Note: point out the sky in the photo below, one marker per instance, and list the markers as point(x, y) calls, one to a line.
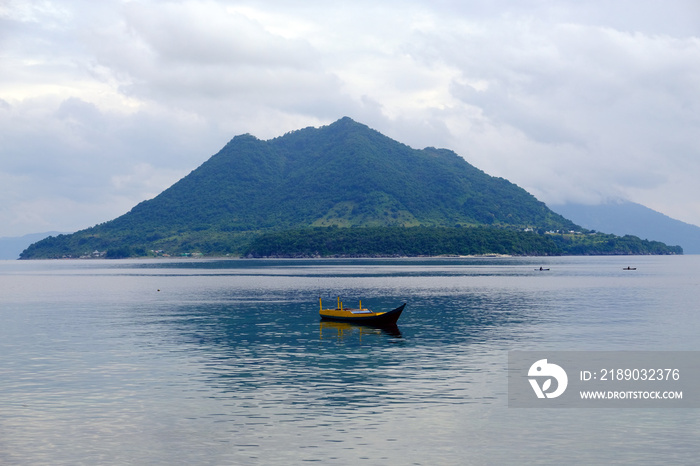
point(104, 104)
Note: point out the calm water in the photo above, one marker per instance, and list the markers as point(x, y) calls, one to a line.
point(226, 362)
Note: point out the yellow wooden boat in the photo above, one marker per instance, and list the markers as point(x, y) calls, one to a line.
point(360, 315)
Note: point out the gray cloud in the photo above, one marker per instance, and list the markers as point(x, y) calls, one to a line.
point(104, 104)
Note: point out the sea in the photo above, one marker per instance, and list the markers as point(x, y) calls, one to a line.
point(225, 362)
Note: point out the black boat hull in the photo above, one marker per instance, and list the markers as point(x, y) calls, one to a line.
point(388, 318)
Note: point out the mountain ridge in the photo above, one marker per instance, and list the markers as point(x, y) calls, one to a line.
point(12, 246)
point(341, 175)
point(630, 218)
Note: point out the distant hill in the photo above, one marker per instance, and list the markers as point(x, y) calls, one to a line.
point(12, 246)
point(629, 218)
point(344, 175)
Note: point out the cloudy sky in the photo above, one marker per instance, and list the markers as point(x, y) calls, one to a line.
point(106, 103)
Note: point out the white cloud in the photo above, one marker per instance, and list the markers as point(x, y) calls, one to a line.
point(593, 106)
point(111, 100)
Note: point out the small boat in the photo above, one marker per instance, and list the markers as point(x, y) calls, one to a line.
point(542, 269)
point(360, 315)
point(630, 268)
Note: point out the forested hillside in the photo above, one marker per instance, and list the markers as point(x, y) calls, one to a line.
point(434, 241)
point(342, 175)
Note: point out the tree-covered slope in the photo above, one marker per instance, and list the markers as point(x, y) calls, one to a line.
point(344, 174)
point(399, 241)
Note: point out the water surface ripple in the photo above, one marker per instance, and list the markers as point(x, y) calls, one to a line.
point(226, 361)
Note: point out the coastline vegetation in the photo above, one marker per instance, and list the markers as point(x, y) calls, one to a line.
point(436, 241)
point(360, 242)
point(342, 189)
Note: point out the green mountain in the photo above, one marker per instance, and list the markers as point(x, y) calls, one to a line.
point(341, 175)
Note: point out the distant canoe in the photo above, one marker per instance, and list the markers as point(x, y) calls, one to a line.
point(541, 269)
point(630, 268)
point(360, 315)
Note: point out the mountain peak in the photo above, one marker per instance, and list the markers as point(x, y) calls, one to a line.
point(347, 126)
point(344, 174)
point(346, 120)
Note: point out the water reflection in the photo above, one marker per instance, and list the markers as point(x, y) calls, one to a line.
point(342, 330)
point(229, 363)
point(273, 352)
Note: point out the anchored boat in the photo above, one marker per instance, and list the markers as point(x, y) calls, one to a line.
point(360, 315)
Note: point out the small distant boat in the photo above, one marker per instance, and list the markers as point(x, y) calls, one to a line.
point(360, 315)
point(542, 269)
point(630, 268)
